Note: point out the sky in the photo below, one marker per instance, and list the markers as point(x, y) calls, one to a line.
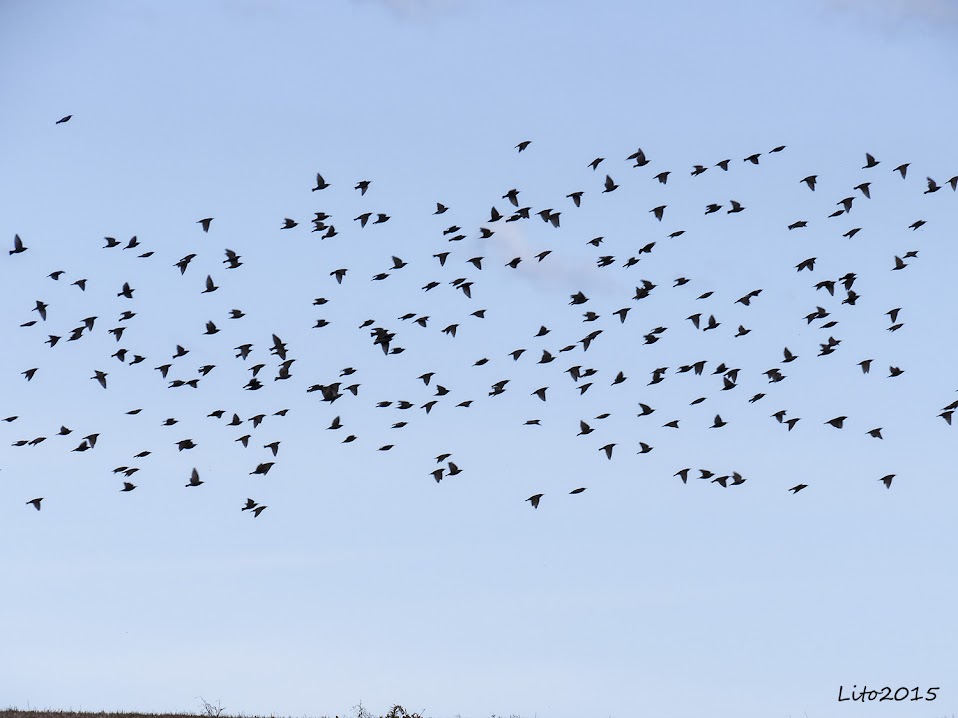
point(364, 580)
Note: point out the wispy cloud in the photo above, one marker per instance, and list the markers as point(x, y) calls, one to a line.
point(415, 8)
point(510, 242)
point(933, 13)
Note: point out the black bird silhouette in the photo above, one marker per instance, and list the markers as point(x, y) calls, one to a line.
point(232, 259)
point(640, 159)
point(534, 500)
point(184, 262)
point(17, 245)
point(63, 119)
point(35, 503)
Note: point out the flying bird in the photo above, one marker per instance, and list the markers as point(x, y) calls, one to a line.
point(18, 247)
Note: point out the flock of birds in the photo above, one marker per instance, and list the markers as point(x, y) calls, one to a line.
point(447, 260)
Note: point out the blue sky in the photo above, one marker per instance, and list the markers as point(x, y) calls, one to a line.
point(365, 580)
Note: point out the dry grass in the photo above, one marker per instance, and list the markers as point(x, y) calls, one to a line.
point(16, 713)
point(209, 710)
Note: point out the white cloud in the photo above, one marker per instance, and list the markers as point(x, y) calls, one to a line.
point(416, 8)
point(893, 12)
point(555, 272)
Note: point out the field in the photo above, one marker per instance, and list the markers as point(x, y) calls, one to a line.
point(208, 711)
